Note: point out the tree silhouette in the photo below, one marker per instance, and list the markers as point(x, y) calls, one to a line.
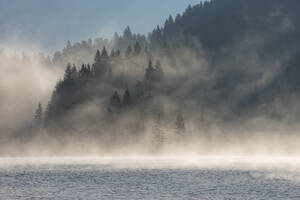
point(112, 53)
point(128, 51)
point(97, 57)
point(127, 101)
point(149, 71)
point(179, 123)
point(115, 100)
point(104, 54)
point(38, 117)
point(68, 73)
point(137, 48)
point(127, 35)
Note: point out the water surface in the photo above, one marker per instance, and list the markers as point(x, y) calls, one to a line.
point(150, 178)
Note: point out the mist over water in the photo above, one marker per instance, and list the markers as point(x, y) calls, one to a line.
point(204, 107)
point(150, 178)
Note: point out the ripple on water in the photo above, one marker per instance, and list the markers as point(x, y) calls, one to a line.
point(146, 179)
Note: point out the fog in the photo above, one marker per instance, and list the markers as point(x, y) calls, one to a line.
point(212, 125)
point(25, 80)
point(267, 167)
point(207, 133)
point(237, 101)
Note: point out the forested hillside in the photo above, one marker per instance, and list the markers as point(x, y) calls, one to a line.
point(225, 65)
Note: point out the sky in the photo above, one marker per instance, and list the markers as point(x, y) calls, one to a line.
point(47, 24)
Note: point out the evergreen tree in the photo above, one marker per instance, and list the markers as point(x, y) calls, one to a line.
point(68, 73)
point(159, 71)
point(127, 34)
point(104, 54)
point(115, 100)
point(82, 71)
point(179, 123)
point(74, 72)
point(127, 101)
point(137, 48)
point(169, 28)
point(88, 68)
point(139, 90)
point(48, 113)
point(97, 57)
point(156, 38)
point(112, 53)
point(154, 74)
point(101, 65)
point(149, 71)
point(38, 117)
point(128, 51)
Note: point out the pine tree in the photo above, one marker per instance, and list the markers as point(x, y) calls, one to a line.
point(112, 53)
point(149, 71)
point(101, 65)
point(48, 113)
point(127, 101)
point(88, 68)
point(156, 38)
point(137, 48)
point(159, 72)
point(74, 72)
point(179, 123)
point(115, 100)
point(38, 117)
point(127, 34)
point(82, 70)
point(128, 51)
point(97, 57)
point(68, 73)
point(104, 54)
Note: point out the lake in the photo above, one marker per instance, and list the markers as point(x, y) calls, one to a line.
point(204, 178)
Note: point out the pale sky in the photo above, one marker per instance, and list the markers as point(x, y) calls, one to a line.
point(48, 24)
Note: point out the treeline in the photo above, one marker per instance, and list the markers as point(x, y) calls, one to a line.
point(213, 26)
point(242, 41)
point(82, 52)
point(100, 84)
point(230, 61)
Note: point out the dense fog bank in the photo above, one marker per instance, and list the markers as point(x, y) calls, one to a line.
point(222, 78)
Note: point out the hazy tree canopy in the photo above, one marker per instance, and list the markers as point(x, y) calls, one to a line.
point(104, 53)
point(38, 117)
point(127, 101)
point(216, 28)
point(97, 57)
point(115, 101)
point(68, 73)
point(219, 62)
point(179, 123)
point(137, 48)
point(128, 51)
